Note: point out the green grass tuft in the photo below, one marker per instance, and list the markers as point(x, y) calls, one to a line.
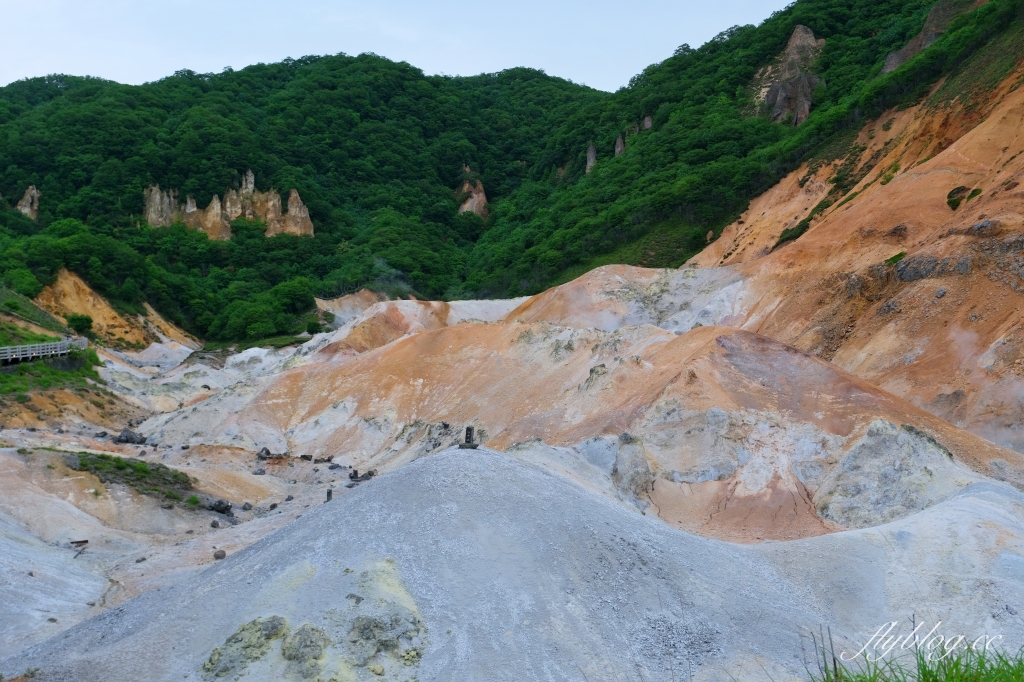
point(963, 665)
point(145, 477)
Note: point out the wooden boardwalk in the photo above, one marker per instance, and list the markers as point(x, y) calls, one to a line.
point(41, 350)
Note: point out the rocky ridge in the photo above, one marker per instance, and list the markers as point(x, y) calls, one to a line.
point(785, 88)
point(163, 209)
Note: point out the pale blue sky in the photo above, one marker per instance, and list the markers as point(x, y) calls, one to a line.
point(600, 43)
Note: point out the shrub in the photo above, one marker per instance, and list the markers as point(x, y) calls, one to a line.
point(80, 324)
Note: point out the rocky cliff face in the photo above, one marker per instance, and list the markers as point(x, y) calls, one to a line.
point(591, 156)
point(162, 209)
point(29, 204)
point(620, 145)
point(939, 18)
point(786, 86)
point(476, 200)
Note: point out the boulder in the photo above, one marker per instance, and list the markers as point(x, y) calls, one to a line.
point(220, 506)
point(130, 437)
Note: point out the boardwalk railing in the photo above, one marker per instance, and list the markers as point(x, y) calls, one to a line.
point(41, 350)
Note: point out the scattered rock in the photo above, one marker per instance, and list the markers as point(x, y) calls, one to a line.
point(940, 293)
point(260, 472)
point(246, 507)
point(215, 524)
point(140, 559)
point(273, 506)
point(52, 620)
point(289, 498)
point(219, 554)
point(264, 453)
point(332, 467)
point(101, 434)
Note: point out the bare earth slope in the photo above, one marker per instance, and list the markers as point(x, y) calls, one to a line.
point(943, 326)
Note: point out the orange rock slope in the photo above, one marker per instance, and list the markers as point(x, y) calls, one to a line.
point(942, 327)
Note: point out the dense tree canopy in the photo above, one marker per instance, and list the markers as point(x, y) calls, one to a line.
point(377, 151)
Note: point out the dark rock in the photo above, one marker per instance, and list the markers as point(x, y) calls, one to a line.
point(215, 524)
point(184, 447)
point(289, 498)
point(273, 506)
point(293, 481)
point(916, 267)
point(60, 430)
point(940, 293)
point(334, 466)
point(264, 453)
point(101, 434)
point(330, 494)
point(129, 436)
point(189, 532)
point(205, 387)
point(219, 554)
point(890, 306)
point(140, 560)
point(246, 507)
point(167, 506)
point(219, 506)
point(31, 429)
point(308, 458)
point(51, 620)
point(260, 472)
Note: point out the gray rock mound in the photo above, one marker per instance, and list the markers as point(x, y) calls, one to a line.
point(471, 565)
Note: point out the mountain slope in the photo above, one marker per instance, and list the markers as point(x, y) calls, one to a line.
point(379, 152)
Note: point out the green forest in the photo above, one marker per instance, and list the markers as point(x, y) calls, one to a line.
point(377, 150)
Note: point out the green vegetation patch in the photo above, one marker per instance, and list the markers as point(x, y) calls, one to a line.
point(17, 305)
point(896, 259)
point(148, 478)
point(961, 665)
point(74, 370)
point(16, 335)
point(956, 197)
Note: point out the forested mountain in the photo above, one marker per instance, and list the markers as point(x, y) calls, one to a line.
point(379, 152)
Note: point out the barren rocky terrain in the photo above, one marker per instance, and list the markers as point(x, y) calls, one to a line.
point(681, 473)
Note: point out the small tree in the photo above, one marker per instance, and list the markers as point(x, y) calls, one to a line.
point(80, 324)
